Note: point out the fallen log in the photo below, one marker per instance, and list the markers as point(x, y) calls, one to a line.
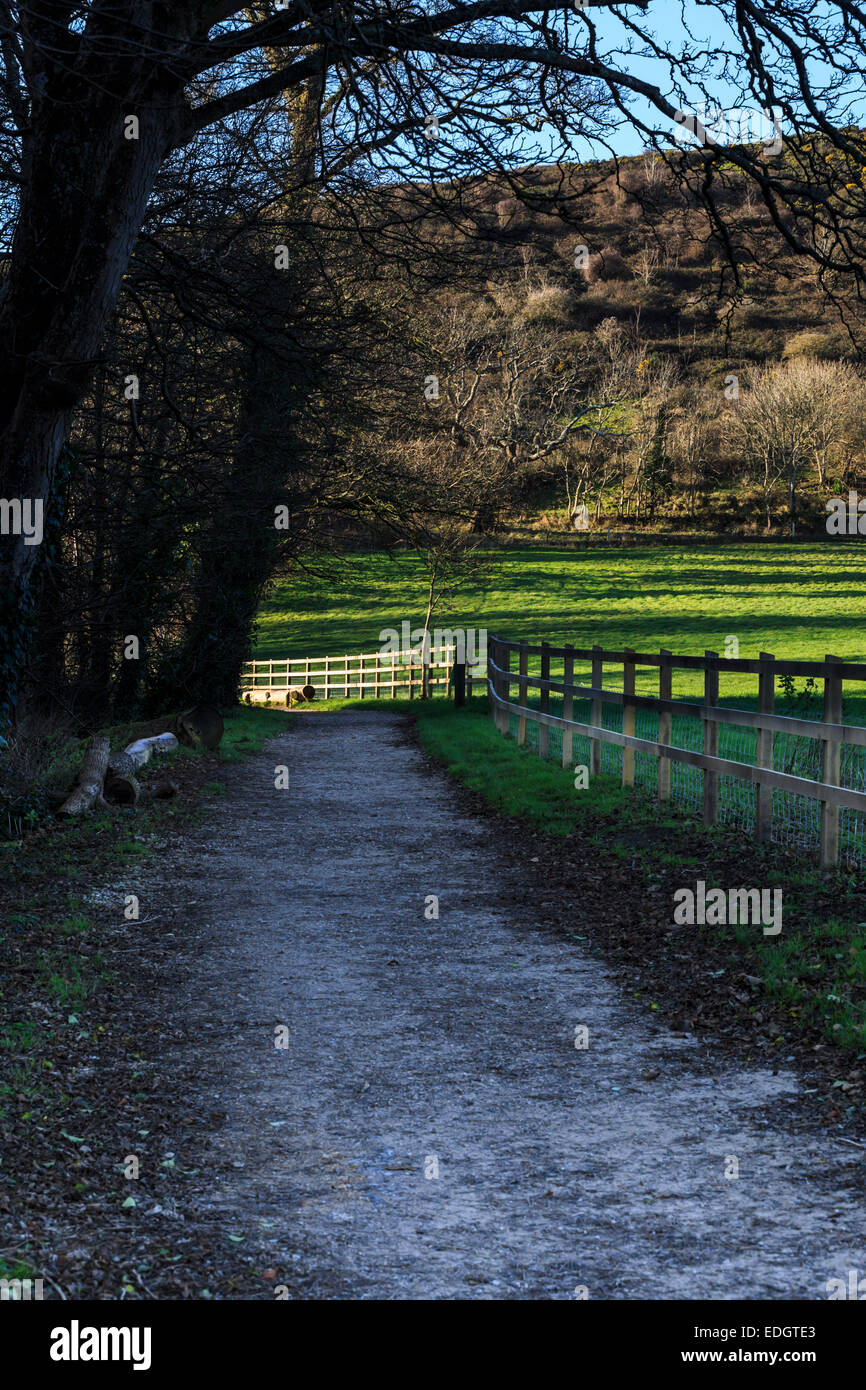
point(87, 787)
point(121, 784)
point(122, 788)
point(105, 778)
point(300, 694)
point(141, 750)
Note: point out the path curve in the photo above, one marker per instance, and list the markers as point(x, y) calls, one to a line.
point(431, 1130)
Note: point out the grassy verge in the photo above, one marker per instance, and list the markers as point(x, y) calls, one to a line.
point(82, 1072)
point(70, 1068)
point(615, 854)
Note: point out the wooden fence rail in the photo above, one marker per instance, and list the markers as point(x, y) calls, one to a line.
point(830, 732)
point(365, 675)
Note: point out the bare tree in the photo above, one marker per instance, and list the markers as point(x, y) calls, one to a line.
point(452, 557)
point(790, 420)
point(646, 262)
point(690, 444)
point(97, 99)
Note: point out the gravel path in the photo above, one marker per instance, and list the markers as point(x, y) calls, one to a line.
point(431, 1130)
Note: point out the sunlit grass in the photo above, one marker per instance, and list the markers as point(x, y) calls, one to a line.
point(798, 601)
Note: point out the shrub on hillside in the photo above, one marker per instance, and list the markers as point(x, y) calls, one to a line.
point(548, 304)
point(679, 279)
point(563, 248)
point(606, 265)
point(512, 215)
point(547, 223)
point(614, 296)
point(810, 343)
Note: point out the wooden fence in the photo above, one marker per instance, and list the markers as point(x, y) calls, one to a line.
point(830, 733)
point(368, 675)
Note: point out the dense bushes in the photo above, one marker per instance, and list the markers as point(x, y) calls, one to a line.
point(605, 265)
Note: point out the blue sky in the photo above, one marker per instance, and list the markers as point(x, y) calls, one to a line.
point(707, 29)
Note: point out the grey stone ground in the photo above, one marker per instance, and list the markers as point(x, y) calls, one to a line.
point(450, 1042)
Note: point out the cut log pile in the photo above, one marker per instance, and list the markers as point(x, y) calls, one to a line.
point(300, 694)
point(112, 779)
point(87, 787)
point(121, 784)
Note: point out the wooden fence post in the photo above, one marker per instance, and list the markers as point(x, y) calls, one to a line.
point(665, 724)
point(543, 730)
point(522, 691)
point(498, 686)
point(764, 749)
point(628, 683)
point(831, 765)
point(505, 687)
point(460, 676)
point(595, 716)
point(711, 741)
point(567, 703)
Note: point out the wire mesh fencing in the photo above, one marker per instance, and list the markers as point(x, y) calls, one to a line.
point(795, 821)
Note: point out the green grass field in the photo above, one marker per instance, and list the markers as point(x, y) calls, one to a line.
point(798, 601)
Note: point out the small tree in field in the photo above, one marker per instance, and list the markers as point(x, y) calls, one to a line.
point(452, 557)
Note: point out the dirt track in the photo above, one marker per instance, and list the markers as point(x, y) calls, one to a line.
point(449, 1045)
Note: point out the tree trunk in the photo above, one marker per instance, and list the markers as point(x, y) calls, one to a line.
point(425, 663)
point(83, 202)
point(87, 789)
point(240, 541)
point(122, 788)
point(121, 783)
point(135, 755)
